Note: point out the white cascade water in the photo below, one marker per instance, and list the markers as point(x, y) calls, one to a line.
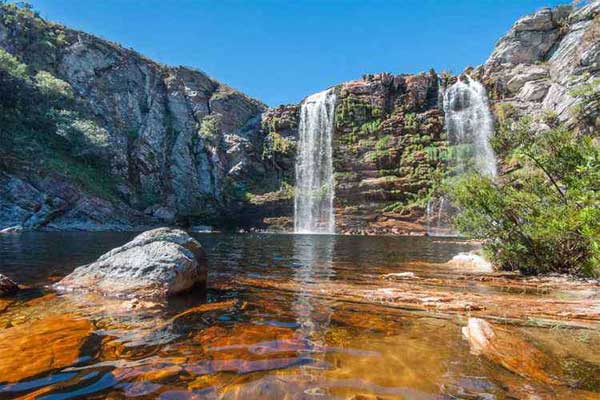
point(314, 192)
point(470, 126)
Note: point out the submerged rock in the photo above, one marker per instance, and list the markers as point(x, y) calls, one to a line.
point(12, 229)
point(158, 263)
point(509, 350)
point(7, 286)
point(38, 346)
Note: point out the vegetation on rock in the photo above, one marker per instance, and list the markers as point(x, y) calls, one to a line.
point(543, 214)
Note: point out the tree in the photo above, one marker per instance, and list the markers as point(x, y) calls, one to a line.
point(544, 215)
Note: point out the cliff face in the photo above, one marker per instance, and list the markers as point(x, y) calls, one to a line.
point(546, 64)
point(95, 136)
point(172, 143)
point(390, 144)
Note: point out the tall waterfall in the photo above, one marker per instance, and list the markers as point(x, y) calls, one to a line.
point(313, 201)
point(470, 126)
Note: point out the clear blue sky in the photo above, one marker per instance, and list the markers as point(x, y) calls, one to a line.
point(280, 51)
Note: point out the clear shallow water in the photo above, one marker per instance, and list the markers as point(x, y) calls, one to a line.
point(275, 328)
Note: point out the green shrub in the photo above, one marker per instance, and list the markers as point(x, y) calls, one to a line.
point(210, 128)
point(52, 86)
point(543, 217)
point(12, 65)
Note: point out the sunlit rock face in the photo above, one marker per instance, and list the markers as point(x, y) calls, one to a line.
point(157, 263)
point(173, 144)
point(389, 134)
point(537, 64)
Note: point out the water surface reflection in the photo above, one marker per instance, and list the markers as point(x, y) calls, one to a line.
point(282, 319)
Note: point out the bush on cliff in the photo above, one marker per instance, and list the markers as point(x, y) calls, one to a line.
point(544, 214)
point(42, 129)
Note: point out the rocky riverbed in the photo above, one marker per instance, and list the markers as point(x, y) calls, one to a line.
point(284, 315)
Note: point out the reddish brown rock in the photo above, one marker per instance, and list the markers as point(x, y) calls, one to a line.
point(509, 350)
point(38, 346)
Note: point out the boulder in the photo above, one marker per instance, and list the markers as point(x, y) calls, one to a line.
point(509, 350)
point(7, 286)
point(12, 229)
point(534, 91)
point(523, 74)
point(158, 263)
point(471, 261)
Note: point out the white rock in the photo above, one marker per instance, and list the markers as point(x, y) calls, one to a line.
point(471, 261)
point(400, 275)
point(479, 333)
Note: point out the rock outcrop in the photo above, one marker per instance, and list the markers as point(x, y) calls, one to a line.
point(157, 263)
point(389, 142)
point(539, 67)
point(7, 286)
point(471, 261)
point(125, 142)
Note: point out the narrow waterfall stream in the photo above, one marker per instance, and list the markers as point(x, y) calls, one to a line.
point(470, 126)
point(314, 193)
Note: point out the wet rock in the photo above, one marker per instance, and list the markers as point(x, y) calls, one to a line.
point(471, 261)
point(509, 350)
point(38, 346)
point(400, 275)
point(12, 229)
point(157, 263)
point(7, 286)
point(4, 304)
point(203, 308)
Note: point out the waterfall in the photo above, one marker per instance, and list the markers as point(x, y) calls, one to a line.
point(314, 192)
point(470, 126)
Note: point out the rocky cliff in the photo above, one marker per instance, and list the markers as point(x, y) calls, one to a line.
point(107, 139)
point(95, 136)
point(546, 64)
point(390, 145)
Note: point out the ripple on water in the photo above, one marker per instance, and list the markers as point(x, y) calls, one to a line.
point(285, 316)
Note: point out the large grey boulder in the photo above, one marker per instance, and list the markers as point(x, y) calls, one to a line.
point(158, 263)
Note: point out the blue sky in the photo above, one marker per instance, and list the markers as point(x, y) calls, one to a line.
point(281, 51)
